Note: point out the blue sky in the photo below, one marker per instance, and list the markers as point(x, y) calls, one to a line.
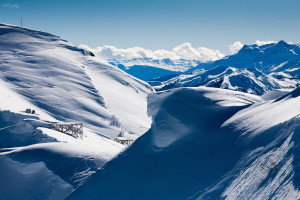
point(159, 24)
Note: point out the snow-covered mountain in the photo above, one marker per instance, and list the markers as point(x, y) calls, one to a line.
point(254, 69)
point(148, 69)
point(265, 57)
point(208, 143)
point(166, 63)
point(71, 84)
point(249, 80)
point(62, 83)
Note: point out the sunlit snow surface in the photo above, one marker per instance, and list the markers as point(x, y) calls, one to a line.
point(67, 83)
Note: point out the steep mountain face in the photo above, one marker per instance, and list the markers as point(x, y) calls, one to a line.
point(254, 69)
point(71, 84)
point(207, 143)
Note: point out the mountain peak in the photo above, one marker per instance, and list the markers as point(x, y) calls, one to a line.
point(282, 43)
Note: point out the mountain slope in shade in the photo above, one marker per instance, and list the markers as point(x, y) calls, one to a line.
point(207, 143)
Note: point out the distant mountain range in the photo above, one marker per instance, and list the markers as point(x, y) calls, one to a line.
point(254, 69)
point(148, 69)
point(167, 63)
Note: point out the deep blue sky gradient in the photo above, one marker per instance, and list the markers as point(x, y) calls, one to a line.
point(157, 24)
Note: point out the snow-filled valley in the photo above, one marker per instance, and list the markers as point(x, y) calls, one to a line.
point(216, 131)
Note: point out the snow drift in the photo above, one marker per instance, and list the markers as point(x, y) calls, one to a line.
point(207, 143)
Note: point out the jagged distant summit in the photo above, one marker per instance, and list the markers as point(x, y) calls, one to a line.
point(262, 57)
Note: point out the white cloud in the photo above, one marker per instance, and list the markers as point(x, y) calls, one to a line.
point(261, 43)
point(183, 51)
point(201, 53)
point(235, 47)
point(11, 6)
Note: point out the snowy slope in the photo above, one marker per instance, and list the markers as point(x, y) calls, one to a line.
point(254, 69)
point(70, 84)
point(37, 162)
point(62, 83)
point(207, 143)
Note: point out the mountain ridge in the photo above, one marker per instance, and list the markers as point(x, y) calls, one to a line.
point(266, 67)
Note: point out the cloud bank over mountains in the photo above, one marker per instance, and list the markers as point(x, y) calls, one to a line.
point(183, 51)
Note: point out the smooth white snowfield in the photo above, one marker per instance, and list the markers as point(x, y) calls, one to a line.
point(207, 143)
point(69, 84)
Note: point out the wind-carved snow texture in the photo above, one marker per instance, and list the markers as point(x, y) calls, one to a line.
point(70, 84)
point(169, 134)
point(255, 182)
